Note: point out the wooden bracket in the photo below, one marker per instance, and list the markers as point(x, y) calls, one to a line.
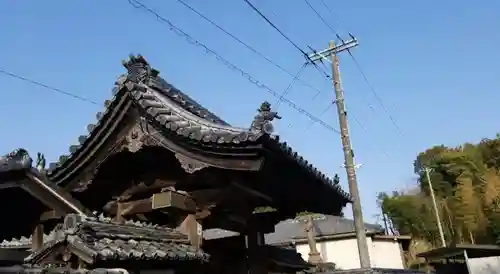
point(37, 238)
point(173, 199)
point(193, 229)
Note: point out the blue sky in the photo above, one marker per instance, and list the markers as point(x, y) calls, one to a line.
point(434, 64)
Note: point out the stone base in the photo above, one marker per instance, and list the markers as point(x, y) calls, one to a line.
point(315, 258)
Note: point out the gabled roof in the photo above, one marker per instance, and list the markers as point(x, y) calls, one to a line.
point(291, 230)
point(176, 116)
point(26, 192)
point(99, 239)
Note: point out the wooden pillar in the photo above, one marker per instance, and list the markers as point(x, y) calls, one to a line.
point(193, 228)
point(256, 260)
point(37, 238)
point(119, 212)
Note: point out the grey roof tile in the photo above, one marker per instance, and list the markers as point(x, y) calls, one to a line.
point(293, 229)
point(101, 239)
point(324, 225)
point(52, 269)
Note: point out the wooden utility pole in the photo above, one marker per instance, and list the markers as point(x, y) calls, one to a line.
point(434, 204)
point(364, 257)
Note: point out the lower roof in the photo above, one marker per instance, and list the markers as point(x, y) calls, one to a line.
point(20, 269)
point(99, 239)
point(458, 252)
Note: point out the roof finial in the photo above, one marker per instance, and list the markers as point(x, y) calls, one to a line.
point(138, 68)
point(40, 162)
point(262, 121)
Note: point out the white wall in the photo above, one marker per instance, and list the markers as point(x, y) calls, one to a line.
point(344, 253)
point(487, 265)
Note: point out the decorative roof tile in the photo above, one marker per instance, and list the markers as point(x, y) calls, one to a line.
point(101, 239)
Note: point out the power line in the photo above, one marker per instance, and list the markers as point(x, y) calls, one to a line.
point(287, 90)
point(22, 78)
point(178, 31)
point(321, 17)
point(286, 37)
point(246, 45)
point(274, 26)
point(358, 66)
point(321, 114)
point(375, 94)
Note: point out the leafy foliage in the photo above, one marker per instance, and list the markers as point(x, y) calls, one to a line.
point(466, 182)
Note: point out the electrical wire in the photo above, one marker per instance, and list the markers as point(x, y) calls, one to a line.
point(358, 66)
point(375, 94)
point(287, 38)
point(287, 90)
point(178, 31)
point(22, 78)
point(246, 45)
point(321, 114)
point(274, 26)
point(320, 17)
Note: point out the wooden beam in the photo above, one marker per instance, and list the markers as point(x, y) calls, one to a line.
point(193, 229)
point(173, 200)
point(142, 188)
point(50, 215)
point(137, 207)
point(162, 200)
point(253, 192)
point(37, 237)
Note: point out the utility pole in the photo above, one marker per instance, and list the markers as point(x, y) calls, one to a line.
point(434, 204)
point(364, 257)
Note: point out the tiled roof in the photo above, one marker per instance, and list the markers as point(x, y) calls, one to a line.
point(284, 257)
point(177, 113)
point(324, 225)
point(15, 160)
point(291, 230)
point(376, 271)
point(101, 239)
point(25, 242)
point(50, 269)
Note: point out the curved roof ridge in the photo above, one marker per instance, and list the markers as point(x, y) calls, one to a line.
point(189, 115)
point(186, 101)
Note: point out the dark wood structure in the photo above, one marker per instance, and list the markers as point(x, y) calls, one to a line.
point(155, 155)
point(454, 259)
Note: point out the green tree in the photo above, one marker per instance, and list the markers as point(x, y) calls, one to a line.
point(466, 181)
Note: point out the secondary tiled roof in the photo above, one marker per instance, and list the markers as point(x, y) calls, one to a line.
point(166, 106)
point(15, 160)
point(377, 271)
point(101, 239)
point(324, 225)
point(291, 230)
point(50, 269)
point(284, 257)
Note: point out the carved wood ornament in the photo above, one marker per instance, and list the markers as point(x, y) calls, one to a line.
point(137, 138)
point(190, 165)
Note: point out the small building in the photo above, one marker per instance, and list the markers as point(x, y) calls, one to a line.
point(464, 258)
point(155, 156)
point(336, 241)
